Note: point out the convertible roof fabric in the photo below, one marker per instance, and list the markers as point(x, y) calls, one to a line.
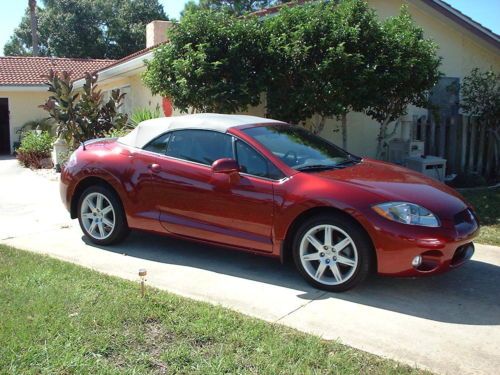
point(150, 129)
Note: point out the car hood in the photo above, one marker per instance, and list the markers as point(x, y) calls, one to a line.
point(389, 182)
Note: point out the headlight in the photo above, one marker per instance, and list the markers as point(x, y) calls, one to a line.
point(407, 213)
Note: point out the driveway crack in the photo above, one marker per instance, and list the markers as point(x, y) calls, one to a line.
point(300, 307)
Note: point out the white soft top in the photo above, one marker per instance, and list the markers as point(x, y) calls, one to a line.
point(150, 129)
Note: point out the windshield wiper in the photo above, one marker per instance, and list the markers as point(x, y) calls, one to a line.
point(344, 163)
point(315, 167)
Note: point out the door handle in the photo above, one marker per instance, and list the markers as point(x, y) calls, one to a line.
point(154, 167)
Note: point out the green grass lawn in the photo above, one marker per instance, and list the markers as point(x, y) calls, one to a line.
point(487, 205)
point(58, 318)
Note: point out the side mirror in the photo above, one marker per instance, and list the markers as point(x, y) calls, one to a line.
point(227, 166)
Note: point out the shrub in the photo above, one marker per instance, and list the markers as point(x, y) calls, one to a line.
point(84, 115)
point(139, 115)
point(35, 150)
point(43, 124)
point(143, 114)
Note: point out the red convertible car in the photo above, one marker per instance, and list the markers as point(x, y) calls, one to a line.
point(270, 188)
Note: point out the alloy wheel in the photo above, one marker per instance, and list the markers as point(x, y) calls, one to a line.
point(328, 254)
point(98, 216)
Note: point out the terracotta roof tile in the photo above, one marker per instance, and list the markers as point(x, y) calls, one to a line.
point(20, 70)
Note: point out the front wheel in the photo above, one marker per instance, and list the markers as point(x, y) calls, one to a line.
point(332, 253)
point(101, 216)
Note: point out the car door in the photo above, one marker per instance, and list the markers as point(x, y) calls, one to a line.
point(195, 202)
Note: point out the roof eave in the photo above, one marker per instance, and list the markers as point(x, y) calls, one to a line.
point(118, 69)
point(466, 22)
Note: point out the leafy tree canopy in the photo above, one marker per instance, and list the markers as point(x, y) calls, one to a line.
point(317, 60)
point(322, 56)
point(481, 95)
point(87, 28)
point(407, 67)
point(214, 63)
point(237, 7)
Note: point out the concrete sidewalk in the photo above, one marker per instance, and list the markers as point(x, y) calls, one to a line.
point(448, 324)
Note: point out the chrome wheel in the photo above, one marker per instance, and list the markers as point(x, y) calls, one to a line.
point(98, 216)
point(328, 254)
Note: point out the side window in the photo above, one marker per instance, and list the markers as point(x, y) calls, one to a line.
point(200, 146)
point(253, 163)
point(158, 145)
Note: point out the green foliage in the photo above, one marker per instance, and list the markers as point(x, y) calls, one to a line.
point(321, 56)
point(139, 115)
point(143, 114)
point(213, 63)
point(35, 149)
point(481, 99)
point(236, 7)
point(43, 124)
point(314, 61)
point(407, 67)
point(480, 96)
point(87, 28)
point(84, 116)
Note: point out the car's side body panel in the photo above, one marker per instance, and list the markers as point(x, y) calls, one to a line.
point(230, 209)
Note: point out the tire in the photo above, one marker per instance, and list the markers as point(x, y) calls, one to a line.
point(341, 264)
point(101, 216)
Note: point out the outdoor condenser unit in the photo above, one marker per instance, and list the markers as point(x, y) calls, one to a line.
point(431, 166)
point(400, 149)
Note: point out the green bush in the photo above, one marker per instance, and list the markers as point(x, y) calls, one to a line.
point(35, 150)
point(143, 114)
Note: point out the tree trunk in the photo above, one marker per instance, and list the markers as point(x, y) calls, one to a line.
point(318, 124)
point(344, 131)
point(382, 135)
point(34, 26)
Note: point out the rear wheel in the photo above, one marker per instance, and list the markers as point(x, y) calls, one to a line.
point(332, 253)
point(101, 216)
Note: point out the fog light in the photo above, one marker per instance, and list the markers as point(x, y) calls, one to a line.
point(417, 261)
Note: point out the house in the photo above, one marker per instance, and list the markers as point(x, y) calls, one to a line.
point(463, 45)
point(23, 89)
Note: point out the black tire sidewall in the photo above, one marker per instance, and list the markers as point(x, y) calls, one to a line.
point(363, 247)
point(120, 229)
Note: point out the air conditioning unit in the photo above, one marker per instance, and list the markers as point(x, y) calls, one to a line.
point(400, 149)
point(431, 166)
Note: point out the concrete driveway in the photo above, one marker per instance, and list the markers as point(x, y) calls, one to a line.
point(448, 324)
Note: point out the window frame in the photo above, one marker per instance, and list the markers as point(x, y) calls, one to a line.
point(235, 154)
point(234, 139)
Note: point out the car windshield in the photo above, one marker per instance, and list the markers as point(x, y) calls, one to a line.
point(300, 149)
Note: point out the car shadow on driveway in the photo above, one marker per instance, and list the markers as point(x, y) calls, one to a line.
point(468, 295)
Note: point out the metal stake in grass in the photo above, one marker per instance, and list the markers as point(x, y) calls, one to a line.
point(142, 275)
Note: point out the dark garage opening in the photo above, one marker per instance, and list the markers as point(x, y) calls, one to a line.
point(4, 127)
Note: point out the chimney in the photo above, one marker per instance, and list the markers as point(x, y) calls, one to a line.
point(156, 32)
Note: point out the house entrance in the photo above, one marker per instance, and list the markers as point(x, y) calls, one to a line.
point(4, 127)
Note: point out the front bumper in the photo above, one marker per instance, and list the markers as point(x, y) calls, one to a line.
point(440, 249)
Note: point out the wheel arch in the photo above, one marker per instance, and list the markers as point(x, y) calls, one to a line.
point(84, 184)
point(286, 245)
